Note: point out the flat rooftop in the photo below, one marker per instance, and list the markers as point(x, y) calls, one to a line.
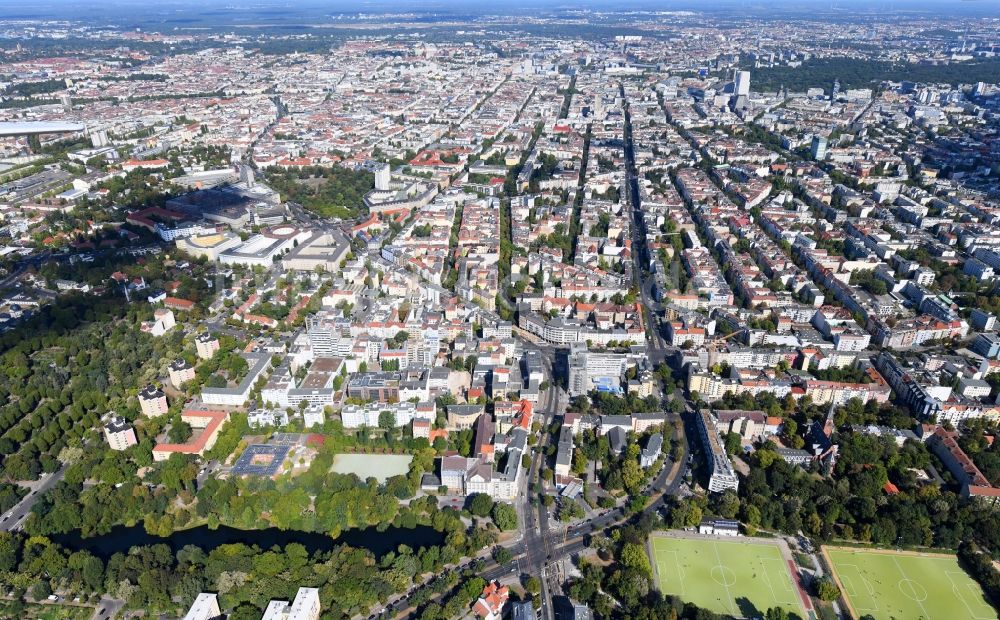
point(261, 460)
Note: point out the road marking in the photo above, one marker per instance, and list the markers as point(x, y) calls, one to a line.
point(957, 591)
point(732, 602)
point(903, 573)
point(767, 579)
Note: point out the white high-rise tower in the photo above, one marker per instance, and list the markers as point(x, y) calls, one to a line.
point(382, 177)
point(742, 86)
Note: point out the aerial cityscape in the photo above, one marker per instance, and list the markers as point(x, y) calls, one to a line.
point(519, 310)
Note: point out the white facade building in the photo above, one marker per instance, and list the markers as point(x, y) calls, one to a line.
point(742, 85)
point(237, 396)
point(355, 416)
point(305, 606)
point(205, 607)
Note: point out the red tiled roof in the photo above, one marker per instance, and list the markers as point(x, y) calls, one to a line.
point(983, 491)
point(147, 163)
point(178, 303)
point(437, 432)
point(216, 418)
point(492, 600)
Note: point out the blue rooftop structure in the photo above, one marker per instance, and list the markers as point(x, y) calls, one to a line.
point(261, 460)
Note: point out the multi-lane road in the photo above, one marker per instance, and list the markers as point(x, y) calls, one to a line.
point(656, 347)
point(537, 541)
point(537, 550)
point(534, 549)
point(22, 265)
point(13, 518)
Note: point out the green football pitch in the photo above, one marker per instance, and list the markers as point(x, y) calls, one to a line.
point(740, 577)
point(890, 584)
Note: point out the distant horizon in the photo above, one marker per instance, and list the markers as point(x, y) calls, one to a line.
point(72, 9)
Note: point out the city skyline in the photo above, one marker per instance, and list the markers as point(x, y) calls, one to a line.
point(534, 310)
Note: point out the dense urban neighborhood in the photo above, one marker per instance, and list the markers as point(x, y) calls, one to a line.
point(563, 314)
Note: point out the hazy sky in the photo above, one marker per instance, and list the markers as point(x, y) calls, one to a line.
point(299, 10)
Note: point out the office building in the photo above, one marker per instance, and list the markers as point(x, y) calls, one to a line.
point(987, 345)
point(383, 175)
point(324, 251)
point(818, 148)
point(258, 363)
point(589, 370)
point(723, 477)
point(742, 85)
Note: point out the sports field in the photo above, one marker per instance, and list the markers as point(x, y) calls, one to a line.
point(378, 466)
point(742, 577)
point(891, 584)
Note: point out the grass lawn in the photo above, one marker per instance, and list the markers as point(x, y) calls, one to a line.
point(891, 584)
point(738, 577)
point(34, 611)
point(380, 466)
